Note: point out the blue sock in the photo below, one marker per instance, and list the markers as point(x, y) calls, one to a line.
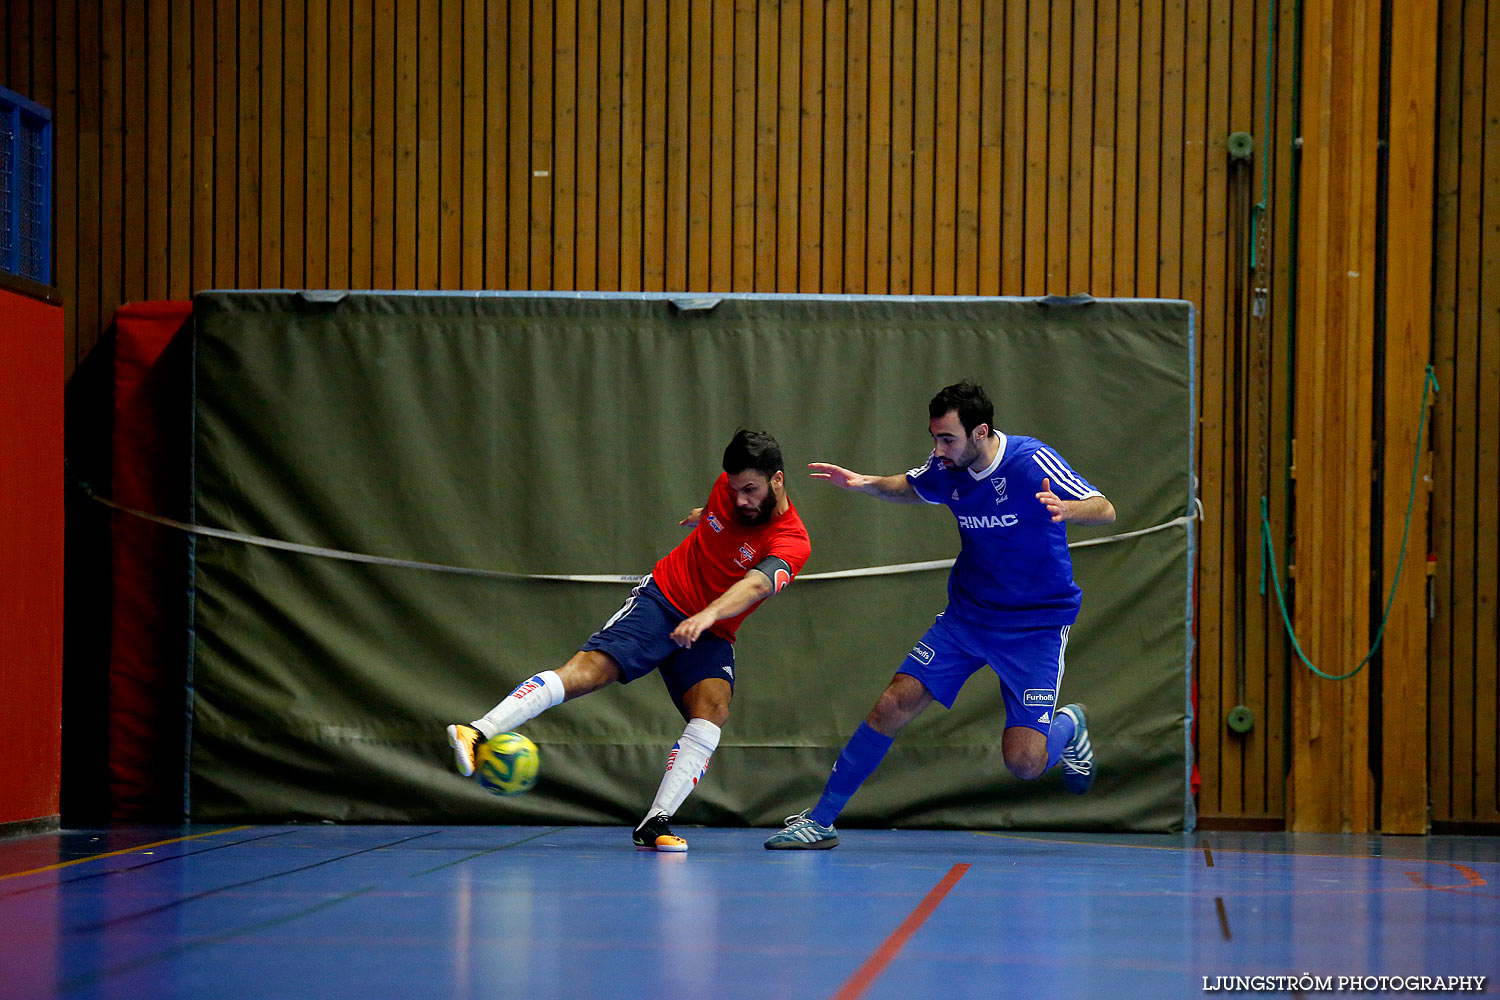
point(862, 754)
point(1058, 737)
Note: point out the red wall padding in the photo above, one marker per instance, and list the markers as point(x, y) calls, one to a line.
point(148, 616)
point(31, 556)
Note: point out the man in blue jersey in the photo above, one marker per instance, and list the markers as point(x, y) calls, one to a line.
point(1011, 600)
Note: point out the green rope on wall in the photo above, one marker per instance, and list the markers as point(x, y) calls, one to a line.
point(1268, 552)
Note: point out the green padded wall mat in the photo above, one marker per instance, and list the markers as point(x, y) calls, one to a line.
point(540, 434)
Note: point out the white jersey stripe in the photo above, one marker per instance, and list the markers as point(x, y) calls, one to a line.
point(1051, 462)
point(1061, 477)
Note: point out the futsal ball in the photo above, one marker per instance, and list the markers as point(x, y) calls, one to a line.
point(507, 764)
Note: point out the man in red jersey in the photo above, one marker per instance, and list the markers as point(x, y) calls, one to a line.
point(746, 543)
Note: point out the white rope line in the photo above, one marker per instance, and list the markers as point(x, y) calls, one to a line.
point(614, 578)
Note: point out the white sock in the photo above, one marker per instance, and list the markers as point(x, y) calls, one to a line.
point(685, 765)
point(527, 701)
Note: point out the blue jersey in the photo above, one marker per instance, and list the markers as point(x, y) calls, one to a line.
point(1013, 568)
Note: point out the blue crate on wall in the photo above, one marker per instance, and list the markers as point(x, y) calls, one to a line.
point(25, 188)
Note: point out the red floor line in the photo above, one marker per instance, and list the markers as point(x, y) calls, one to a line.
point(876, 963)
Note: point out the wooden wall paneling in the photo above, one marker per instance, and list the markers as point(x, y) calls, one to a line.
point(903, 51)
point(384, 198)
point(427, 137)
point(1081, 142)
point(452, 138)
point(1245, 504)
point(13, 56)
point(365, 92)
point(1171, 251)
point(1280, 663)
point(1034, 117)
point(1195, 144)
point(518, 125)
point(1100, 280)
point(340, 182)
point(89, 177)
point(586, 159)
point(111, 236)
point(225, 225)
point(835, 149)
point(265, 109)
point(293, 136)
point(632, 110)
point(1462, 396)
point(680, 101)
point(565, 146)
point(406, 118)
point(724, 62)
point(243, 182)
point(701, 145)
point(654, 151)
point(316, 89)
point(763, 193)
point(925, 99)
point(181, 61)
point(1058, 76)
point(1247, 107)
point(856, 147)
point(967, 152)
point(1148, 175)
point(610, 123)
point(1402, 715)
point(154, 195)
point(1195, 110)
point(134, 196)
point(65, 145)
point(945, 187)
point(1218, 689)
point(1446, 211)
point(43, 52)
point(1248, 75)
point(1330, 787)
point(1487, 474)
point(541, 170)
point(877, 271)
point(745, 221)
point(788, 143)
point(993, 40)
point(1015, 149)
point(1127, 144)
point(810, 172)
point(1218, 282)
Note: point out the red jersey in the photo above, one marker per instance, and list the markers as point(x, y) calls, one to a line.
point(720, 551)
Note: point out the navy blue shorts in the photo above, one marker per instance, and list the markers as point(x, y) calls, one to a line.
point(639, 638)
point(1028, 661)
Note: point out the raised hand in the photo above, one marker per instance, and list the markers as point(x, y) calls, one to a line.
point(1051, 500)
point(837, 475)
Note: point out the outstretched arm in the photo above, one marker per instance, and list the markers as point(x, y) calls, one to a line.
point(751, 588)
point(1094, 510)
point(896, 489)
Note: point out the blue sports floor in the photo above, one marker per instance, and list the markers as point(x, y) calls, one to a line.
point(365, 912)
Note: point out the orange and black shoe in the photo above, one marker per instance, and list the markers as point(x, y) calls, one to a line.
point(465, 742)
point(654, 835)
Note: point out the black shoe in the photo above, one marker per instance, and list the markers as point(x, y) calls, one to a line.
point(654, 835)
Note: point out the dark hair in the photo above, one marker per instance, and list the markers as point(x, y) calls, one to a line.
point(753, 450)
point(973, 406)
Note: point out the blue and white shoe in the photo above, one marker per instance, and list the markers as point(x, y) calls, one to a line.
point(803, 834)
point(1078, 756)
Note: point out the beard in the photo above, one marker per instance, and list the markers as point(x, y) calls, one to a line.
point(760, 515)
point(963, 461)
